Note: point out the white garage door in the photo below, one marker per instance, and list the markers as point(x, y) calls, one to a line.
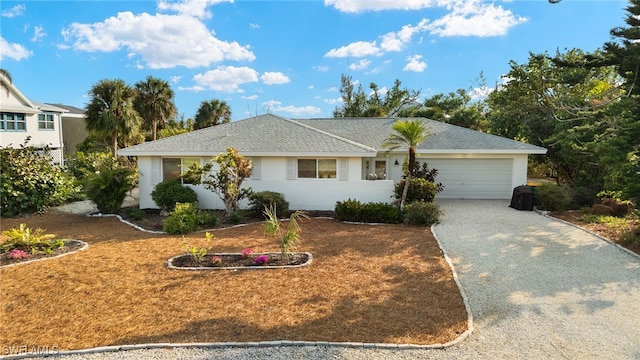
point(473, 178)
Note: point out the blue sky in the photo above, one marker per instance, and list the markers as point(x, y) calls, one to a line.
point(285, 57)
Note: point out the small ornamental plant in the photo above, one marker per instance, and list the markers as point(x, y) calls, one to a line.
point(216, 260)
point(197, 252)
point(288, 238)
point(261, 260)
point(246, 253)
point(18, 254)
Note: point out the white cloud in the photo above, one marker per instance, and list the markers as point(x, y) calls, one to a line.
point(321, 68)
point(392, 41)
point(191, 88)
point(334, 101)
point(311, 87)
point(480, 92)
point(360, 65)
point(276, 106)
point(17, 10)
point(13, 51)
point(333, 89)
point(274, 78)
point(162, 41)
point(415, 64)
point(226, 78)
point(38, 33)
point(194, 8)
point(356, 49)
point(252, 97)
point(395, 41)
point(474, 18)
point(254, 26)
point(355, 6)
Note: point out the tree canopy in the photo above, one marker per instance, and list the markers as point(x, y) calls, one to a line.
point(212, 112)
point(154, 102)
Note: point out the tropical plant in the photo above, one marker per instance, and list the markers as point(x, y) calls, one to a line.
point(227, 181)
point(288, 238)
point(111, 112)
point(28, 240)
point(183, 220)
point(198, 252)
point(422, 213)
point(155, 103)
point(7, 76)
point(410, 134)
point(210, 113)
point(109, 184)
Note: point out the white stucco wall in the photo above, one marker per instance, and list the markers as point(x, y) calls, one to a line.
point(303, 194)
point(39, 138)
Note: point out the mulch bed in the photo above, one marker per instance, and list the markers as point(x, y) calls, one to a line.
point(239, 261)
point(69, 246)
point(611, 233)
point(372, 284)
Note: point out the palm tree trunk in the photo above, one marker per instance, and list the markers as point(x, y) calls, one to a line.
point(405, 191)
point(114, 142)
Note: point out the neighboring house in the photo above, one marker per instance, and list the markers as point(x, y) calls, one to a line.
point(21, 118)
point(316, 162)
point(74, 128)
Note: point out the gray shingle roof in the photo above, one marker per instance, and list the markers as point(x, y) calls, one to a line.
point(273, 135)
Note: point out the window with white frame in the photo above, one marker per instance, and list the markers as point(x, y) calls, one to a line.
point(173, 168)
point(317, 168)
point(45, 121)
point(13, 122)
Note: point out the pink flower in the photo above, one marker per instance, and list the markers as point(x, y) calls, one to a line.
point(260, 260)
point(246, 252)
point(18, 254)
point(216, 260)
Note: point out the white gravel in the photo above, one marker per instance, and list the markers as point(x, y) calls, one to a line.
point(538, 289)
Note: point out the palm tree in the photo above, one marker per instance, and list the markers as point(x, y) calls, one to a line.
point(155, 102)
point(408, 133)
point(7, 75)
point(210, 113)
point(111, 110)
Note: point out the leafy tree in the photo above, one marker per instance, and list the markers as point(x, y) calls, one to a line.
point(111, 112)
point(175, 127)
point(227, 181)
point(109, 184)
point(410, 134)
point(210, 113)
point(154, 102)
point(453, 108)
point(379, 104)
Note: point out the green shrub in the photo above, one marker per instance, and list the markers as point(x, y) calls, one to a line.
point(583, 196)
point(553, 197)
point(631, 237)
point(419, 190)
point(354, 210)
point(170, 192)
point(183, 220)
point(204, 218)
point(422, 213)
point(134, 213)
point(236, 218)
point(30, 182)
point(259, 201)
point(30, 241)
point(108, 186)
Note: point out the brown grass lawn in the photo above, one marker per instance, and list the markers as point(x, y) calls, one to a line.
point(374, 284)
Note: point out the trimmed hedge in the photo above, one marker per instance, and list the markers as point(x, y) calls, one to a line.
point(422, 213)
point(354, 210)
point(259, 200)
point(170, 192)
point(553, 197)
point(419, 190)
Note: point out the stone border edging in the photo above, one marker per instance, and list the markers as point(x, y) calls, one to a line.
point(620, 247)
point(234, 268)
point(125, 222)
point(465, 299)
point(82, 248)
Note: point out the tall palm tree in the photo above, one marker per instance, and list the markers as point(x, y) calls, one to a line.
point(409, 134)
point(111, 110)
point(210, 113)
point(154, 102)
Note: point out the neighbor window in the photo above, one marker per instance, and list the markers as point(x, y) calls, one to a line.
point(13, 122)
point(317, 168)
point(173, 168)
point(45, 121)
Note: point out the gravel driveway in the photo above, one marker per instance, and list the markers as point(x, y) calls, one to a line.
point(538, 289)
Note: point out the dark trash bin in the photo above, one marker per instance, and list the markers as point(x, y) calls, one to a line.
point(522, 198)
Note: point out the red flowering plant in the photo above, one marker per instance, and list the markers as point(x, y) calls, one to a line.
point(246, 253)
point(261, 260)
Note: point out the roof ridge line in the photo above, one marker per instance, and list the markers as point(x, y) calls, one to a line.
point(330, 134)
